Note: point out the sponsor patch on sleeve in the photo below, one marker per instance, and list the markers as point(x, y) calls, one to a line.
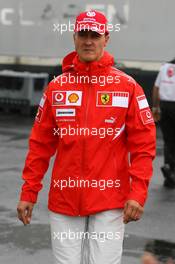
point(39, 114)
point(146, 116)
point(42, 101)
point(142, 102)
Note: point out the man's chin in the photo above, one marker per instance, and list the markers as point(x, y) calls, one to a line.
point(89, 58)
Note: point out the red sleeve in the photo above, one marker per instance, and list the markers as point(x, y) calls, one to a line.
point(42, 145)
point(141, 140)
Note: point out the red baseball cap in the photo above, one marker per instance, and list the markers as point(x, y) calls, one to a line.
point(91, 20)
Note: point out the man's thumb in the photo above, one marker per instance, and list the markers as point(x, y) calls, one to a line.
point(29, 214)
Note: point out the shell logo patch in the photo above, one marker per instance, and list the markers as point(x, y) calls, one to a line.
point(73, 98)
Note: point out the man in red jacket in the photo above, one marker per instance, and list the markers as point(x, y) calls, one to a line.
point(98, 122)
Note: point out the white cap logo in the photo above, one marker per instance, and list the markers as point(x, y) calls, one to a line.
point(90, 13)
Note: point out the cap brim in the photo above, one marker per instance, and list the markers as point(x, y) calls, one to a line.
point(90, 26)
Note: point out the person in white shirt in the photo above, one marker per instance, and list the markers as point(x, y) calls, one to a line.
point(164, 110)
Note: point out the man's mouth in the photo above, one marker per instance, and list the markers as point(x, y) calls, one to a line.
point(88, 50)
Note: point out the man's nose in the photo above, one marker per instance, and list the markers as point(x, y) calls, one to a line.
point(88, 40)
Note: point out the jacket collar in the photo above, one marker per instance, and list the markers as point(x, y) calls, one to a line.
point(72, 63)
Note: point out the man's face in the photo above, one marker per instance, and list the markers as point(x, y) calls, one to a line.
point(90, 45)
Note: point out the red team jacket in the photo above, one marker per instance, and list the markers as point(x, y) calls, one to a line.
point(92, 171)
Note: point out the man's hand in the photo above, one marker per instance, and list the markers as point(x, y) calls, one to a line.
point(156, 113)
point(132, 211)
point(24, 210)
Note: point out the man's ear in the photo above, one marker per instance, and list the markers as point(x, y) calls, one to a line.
point(106, 39)
point(74, 37)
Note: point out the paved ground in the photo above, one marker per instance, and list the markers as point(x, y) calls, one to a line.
point(31, 244)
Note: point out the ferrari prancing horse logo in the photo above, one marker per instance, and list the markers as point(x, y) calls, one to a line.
point(105, 98)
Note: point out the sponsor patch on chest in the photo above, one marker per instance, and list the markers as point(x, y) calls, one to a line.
point(65, 112)
point(115, 99)
point(73, 98)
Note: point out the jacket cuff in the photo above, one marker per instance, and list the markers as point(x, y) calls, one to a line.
point(29, 196)
point(139, 190)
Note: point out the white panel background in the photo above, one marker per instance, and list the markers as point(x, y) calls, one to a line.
point(147, 31)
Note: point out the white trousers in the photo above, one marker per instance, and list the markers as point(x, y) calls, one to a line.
point(94, 239)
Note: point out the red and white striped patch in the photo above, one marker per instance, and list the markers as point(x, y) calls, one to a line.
point(120, 99)
point(42, 101)
point(142, 102)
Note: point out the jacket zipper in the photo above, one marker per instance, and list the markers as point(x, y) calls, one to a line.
point(115, 163)
point(84, 141)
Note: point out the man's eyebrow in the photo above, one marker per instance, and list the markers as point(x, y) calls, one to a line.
point(95, 34)
point(92, 33)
